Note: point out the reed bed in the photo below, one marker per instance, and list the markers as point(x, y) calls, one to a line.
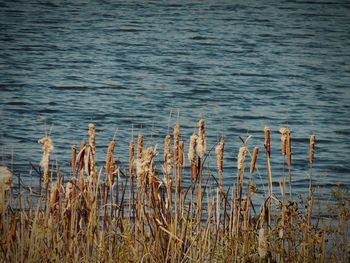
point(146, 214)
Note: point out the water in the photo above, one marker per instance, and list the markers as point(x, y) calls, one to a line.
point(241, 65)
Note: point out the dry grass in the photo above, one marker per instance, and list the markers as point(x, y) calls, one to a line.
point(146, 214)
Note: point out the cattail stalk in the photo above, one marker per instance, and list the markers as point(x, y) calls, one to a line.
point(269, 175)
point(167, 170)
point(131, 176)
point(181, 162)
point(240, 169)
point(176, 163)
point(311, 160)
point(201, 148)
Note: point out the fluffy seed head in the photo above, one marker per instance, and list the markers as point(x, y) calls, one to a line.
point(176, 143)
point(139, 146)
point(92, 135)
point(220, 155)
point(240, 163)
point(201, 143)
point(167, 155)
point(47, 147)
point(109, 156)
point(5, 179)
point(241, 158)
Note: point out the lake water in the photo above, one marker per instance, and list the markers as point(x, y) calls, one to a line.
point(241, 65)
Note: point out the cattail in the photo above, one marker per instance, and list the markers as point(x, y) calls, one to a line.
point(201, 143)
point(285, 143)
point(167, 169)
point(219, 158)
point(262, 243)
point(69, 193)
point(253, 161)
point(54, 197)
point(74, 158)
point(92, 135)
point(181, 153)
point(81, 166)
point(240, 163)
point(312, 148)
point(47, 147)
point(267, 140)
point(192, 155)
point(109, 159)
point(167, 156)
point(289, 149)
point(176, 143)
point(139, 172)
point(5, 180)
point(148, 164)
point(139, 146)
point(283, 132)
point(91, 165)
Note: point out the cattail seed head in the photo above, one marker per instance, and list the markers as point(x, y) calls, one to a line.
point(201, 142)
point(241, 158)
point(69, 193)
point(192, 155)
point(109, 157)
point(253, 161)
point(176, 143)
point(240, 163)
point(267, 140)
point(139, 146)
point(285, 143)
point(312, 148)
point(220, 159)
point(54, 197)
point(47, 147)
point(92, 139)
point(167, 155)
point(181, 153)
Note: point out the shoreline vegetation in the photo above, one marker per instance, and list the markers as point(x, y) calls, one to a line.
point(146, 214)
